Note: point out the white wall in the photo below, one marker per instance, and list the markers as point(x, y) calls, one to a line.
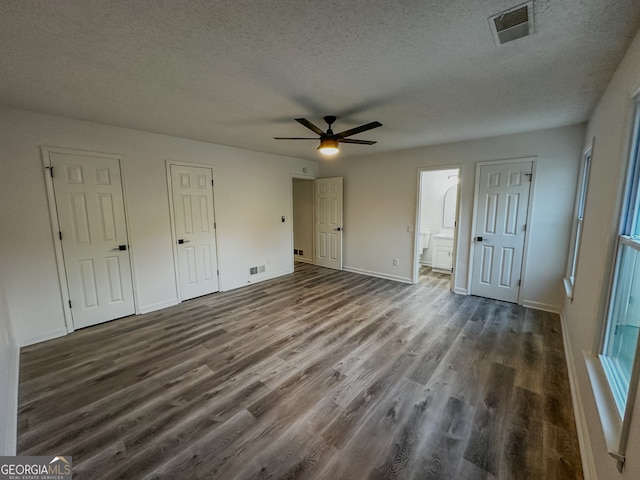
point(610, 125)
point(380, 202)
point(252, 192)
point(303, 218)
point(8, 380)
point(434, 185)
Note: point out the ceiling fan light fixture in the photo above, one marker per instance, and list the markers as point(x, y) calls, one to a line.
point(329, 141)
point(328, 146)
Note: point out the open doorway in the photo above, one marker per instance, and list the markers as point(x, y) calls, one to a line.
point(317, 221)
point(303, 219)
point(436, 227)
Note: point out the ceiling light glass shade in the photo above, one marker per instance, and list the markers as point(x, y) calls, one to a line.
point(329, 146)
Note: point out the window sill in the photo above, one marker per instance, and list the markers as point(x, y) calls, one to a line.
point(607, 409)
point(568, 287)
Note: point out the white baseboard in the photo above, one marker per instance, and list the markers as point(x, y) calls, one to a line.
point(256, 279)
point(43, 337)
point(158, 306)
point(271, 276)
point(541, 306)
point(370, 273)
point(441, 270)
point(303, 259)
point(584, 442)
point(460, 291)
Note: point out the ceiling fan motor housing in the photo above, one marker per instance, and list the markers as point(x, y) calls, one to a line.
point(330, 119)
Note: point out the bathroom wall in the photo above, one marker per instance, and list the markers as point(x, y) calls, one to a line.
point(303, 219)
point(434, 185)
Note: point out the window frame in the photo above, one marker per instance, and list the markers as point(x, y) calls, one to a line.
point(618, 385)
point(616, 419)
point(578, 222)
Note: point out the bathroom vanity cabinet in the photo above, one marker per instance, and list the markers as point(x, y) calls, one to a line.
point(442, 256)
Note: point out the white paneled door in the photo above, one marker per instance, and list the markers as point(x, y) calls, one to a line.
point(328, 226)
point(194, 223)
point(93, 233)
point(502, 200)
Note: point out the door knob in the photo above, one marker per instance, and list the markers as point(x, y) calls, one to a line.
point(119, 248)
point(181, 241)
point(339, 229)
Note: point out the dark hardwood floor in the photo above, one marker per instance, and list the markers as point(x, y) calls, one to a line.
point(315, 375)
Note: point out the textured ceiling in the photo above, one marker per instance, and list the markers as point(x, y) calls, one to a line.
point(237, 72)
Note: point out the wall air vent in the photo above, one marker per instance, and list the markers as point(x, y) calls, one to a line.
point(256, 270)
point(512, 24)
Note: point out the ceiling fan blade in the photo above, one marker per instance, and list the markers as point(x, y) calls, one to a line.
point(359, 142)
point(295, 138)
point(309, 125)
point(360, 129)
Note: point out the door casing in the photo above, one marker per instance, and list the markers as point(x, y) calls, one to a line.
point(174, 238)
point(416, 228)
point(46, 152)
point(525, 247)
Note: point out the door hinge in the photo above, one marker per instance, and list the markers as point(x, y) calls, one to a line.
point(218, 272)
point(50, 171)
point(215, 225)
point(60, 235)
point(212, 182)
point(525, 227)
point(530, 175)
point(69, 303)
point(519, 282)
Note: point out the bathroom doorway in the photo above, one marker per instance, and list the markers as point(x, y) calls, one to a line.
point(436, 227)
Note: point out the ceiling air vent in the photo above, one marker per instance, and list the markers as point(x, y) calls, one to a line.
point(512, 24)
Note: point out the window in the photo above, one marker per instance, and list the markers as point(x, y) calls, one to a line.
point(581, 198)
point(623, 316)
point(623, 322)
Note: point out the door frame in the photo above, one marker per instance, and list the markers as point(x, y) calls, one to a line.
point(46, 152)
point(416, 226)
point(172, 220)
point(525, 246)
point(313, 234)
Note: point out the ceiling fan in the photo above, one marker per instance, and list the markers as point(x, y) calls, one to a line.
point(329, 141)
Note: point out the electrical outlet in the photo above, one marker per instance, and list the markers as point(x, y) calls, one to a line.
point(396, 262)
point(300, 252)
